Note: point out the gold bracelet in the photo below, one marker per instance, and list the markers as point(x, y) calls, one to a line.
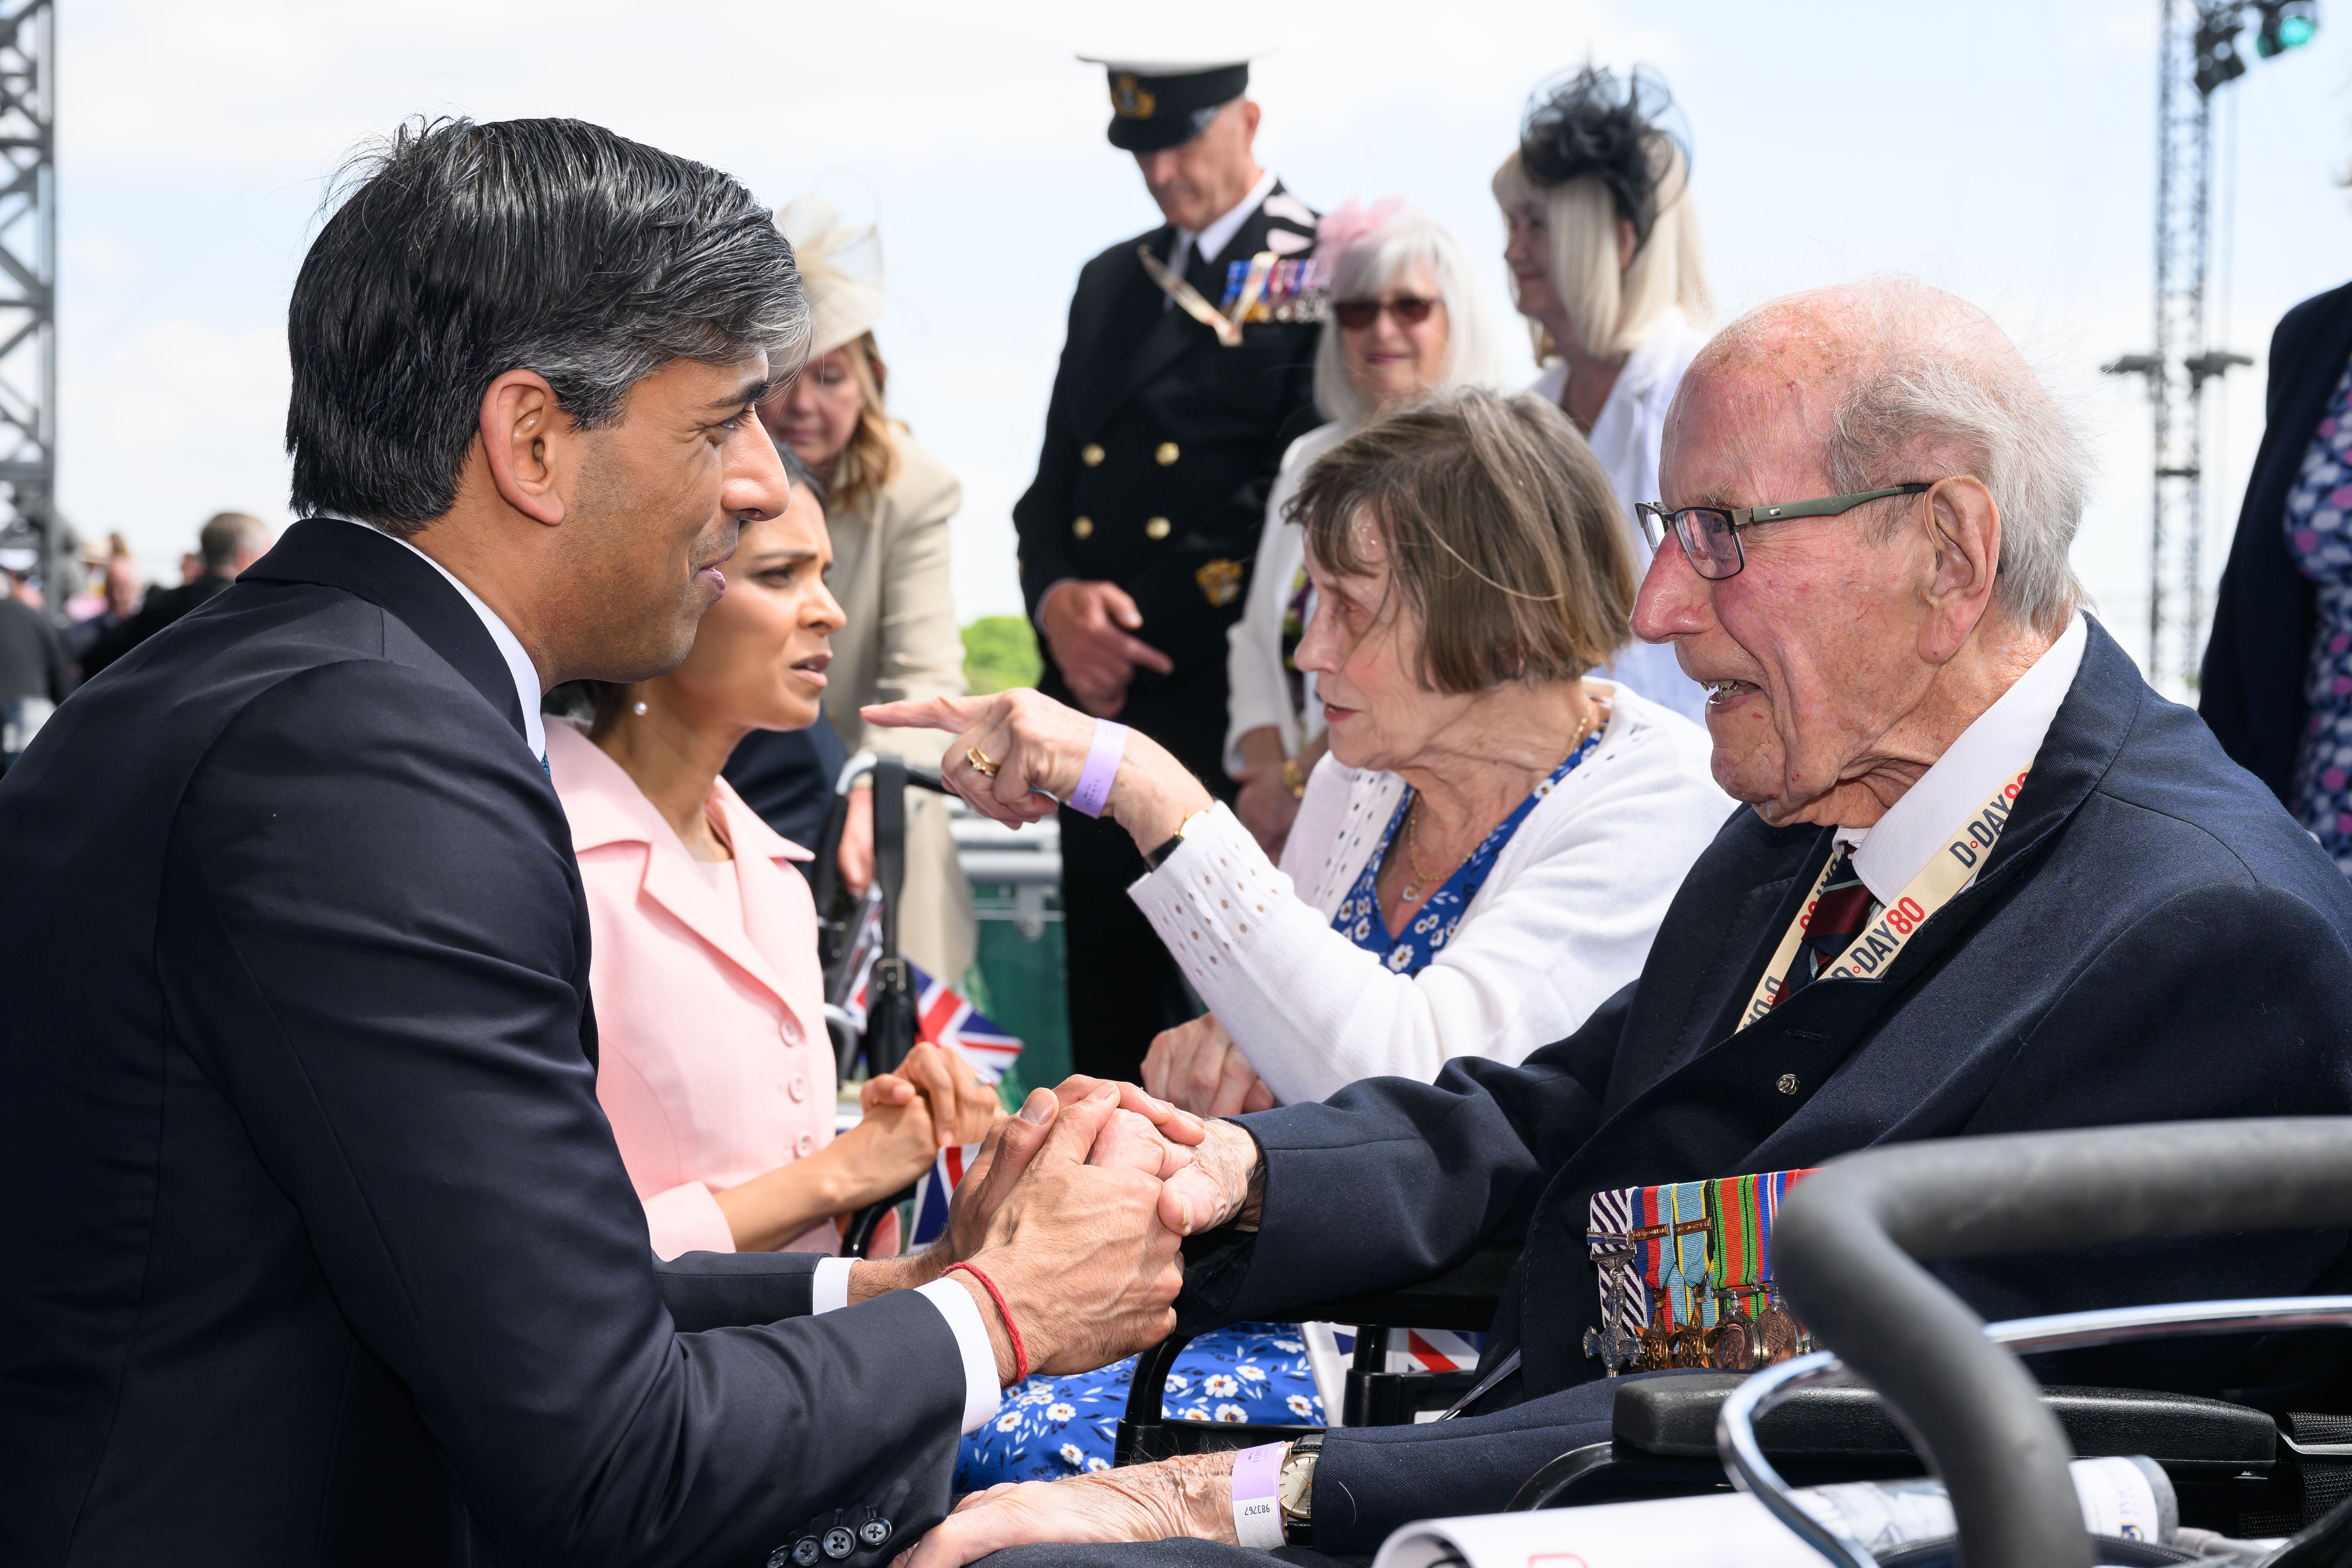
point(1294, 778)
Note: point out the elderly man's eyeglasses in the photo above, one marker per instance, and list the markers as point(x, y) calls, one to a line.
point(1357, 314)
point(1710, 534)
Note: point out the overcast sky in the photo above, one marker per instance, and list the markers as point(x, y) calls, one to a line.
point(2002, 149)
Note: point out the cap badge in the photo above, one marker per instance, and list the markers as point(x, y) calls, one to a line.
point(1130, 101)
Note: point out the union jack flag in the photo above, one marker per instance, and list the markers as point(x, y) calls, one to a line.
point(946, 1018)
point(931, 1193)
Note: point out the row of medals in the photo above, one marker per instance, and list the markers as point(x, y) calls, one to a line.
point(1736, 1344)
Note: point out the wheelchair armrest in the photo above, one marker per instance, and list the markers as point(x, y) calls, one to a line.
point(1462, 1298)
point(1674, 1416)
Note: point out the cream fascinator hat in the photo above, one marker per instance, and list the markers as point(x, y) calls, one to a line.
point(841, 271)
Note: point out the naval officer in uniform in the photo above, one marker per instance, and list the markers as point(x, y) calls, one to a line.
point(1187, 371)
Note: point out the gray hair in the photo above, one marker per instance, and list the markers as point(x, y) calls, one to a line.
point(1942, 392)
point(226, 532)
point(1473, 352)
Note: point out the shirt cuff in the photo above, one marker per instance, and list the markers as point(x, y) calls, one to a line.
point(981, 1393)
point(829, 1291)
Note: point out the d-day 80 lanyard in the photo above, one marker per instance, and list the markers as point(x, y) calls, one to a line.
point(1872, 950)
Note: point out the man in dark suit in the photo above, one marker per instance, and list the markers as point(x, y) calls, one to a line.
point(317, 1248)
point(1182, 382)
point(1899, 941)
point(228, 542)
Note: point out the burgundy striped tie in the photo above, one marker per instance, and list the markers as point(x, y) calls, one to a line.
point(1842, 912)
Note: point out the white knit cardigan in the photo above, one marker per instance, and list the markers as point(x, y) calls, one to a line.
point(1563, 920)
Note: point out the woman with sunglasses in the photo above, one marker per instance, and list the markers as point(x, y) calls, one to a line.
point(1407, 318)
point(1607, 266)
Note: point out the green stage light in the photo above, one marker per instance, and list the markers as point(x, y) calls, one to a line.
point(2285, 25)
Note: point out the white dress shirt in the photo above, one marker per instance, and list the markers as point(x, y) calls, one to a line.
point(1212, 241)
point(2004, 738)
point(1625, 438)
point(830, 1290)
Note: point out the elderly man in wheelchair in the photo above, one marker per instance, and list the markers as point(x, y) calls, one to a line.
point(1990, 882)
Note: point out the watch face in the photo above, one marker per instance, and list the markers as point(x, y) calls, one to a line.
point(1297, 1484)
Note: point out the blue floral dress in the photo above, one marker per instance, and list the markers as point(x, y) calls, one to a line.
point(1054, 1427)
point(2319, 538)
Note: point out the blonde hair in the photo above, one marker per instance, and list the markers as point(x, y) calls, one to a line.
point(870, 461)
point(1472, 356)
point(1612, 310)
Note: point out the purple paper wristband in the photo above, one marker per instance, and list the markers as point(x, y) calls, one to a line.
point(1257, 1482)
point(1102, 766)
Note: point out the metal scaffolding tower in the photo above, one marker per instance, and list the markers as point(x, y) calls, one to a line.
point(2200, 54)
point(28, 299)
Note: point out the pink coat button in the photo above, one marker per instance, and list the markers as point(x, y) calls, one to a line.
point(798, 1089)
point(808, 1143)
point(791, 1031)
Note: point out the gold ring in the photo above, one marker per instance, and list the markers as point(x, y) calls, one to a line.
point(980, 762)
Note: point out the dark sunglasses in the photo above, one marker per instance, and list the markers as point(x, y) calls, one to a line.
point(1710, 534)
point(1357, 314)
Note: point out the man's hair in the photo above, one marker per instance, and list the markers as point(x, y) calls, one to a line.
point(1474, 356)
point(1500, 529)
point(1942, 392)
point(226, 532)
point(466, 250)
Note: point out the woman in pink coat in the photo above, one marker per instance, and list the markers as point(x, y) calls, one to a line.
point(715, 1067)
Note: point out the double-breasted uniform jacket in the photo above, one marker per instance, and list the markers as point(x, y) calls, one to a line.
point(316, 1247)
point(1160, 446)
point(2151, 939)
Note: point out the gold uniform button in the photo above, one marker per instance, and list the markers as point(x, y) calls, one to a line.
point(1091, 455)
point(1084, 528)
point(1156, 529)
point(1167, 454)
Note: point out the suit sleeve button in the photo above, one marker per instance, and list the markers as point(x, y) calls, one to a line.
point(1084, 528)
point(1091, 455)
point(875, 1532)
point(838, 1543)
point(1158, 528)
point(805, 1553)
point(1167, 455)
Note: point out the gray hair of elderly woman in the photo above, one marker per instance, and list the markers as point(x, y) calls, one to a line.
point(1943, 391)
point(1474, 353)
point(1498, 528)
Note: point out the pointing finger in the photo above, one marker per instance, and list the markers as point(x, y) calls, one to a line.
point(953, 714)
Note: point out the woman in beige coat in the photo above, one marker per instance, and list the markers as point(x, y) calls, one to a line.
point(888, 507)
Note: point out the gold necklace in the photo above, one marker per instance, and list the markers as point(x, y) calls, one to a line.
point(1410, 893)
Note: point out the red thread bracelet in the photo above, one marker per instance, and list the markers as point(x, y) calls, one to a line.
point(1012, 1329)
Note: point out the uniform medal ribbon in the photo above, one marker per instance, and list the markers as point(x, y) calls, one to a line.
point(1227, 328)
point(1876, 946)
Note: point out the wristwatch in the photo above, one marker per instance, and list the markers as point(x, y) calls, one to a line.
point(1154, 859)
point(1298, 1490)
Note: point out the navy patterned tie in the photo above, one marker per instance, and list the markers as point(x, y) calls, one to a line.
point(1842, 912)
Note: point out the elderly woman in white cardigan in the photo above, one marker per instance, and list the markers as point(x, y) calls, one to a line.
point(1492, 841)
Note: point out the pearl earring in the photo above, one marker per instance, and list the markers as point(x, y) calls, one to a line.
point(639, 709)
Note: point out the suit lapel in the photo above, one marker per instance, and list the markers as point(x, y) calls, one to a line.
point(358, 560)
point(676, 887)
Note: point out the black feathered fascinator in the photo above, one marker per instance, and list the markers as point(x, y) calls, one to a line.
point(1598, 124)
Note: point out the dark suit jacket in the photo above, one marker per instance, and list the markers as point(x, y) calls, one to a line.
point(2152, 940)
point(1139, 380)
point(159, 609)
point(2251, 688)
point(316, 1246)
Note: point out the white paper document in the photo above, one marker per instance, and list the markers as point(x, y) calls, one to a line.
point(1733, 1530)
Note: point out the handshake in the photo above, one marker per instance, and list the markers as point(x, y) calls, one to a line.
point(1074, 1211)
